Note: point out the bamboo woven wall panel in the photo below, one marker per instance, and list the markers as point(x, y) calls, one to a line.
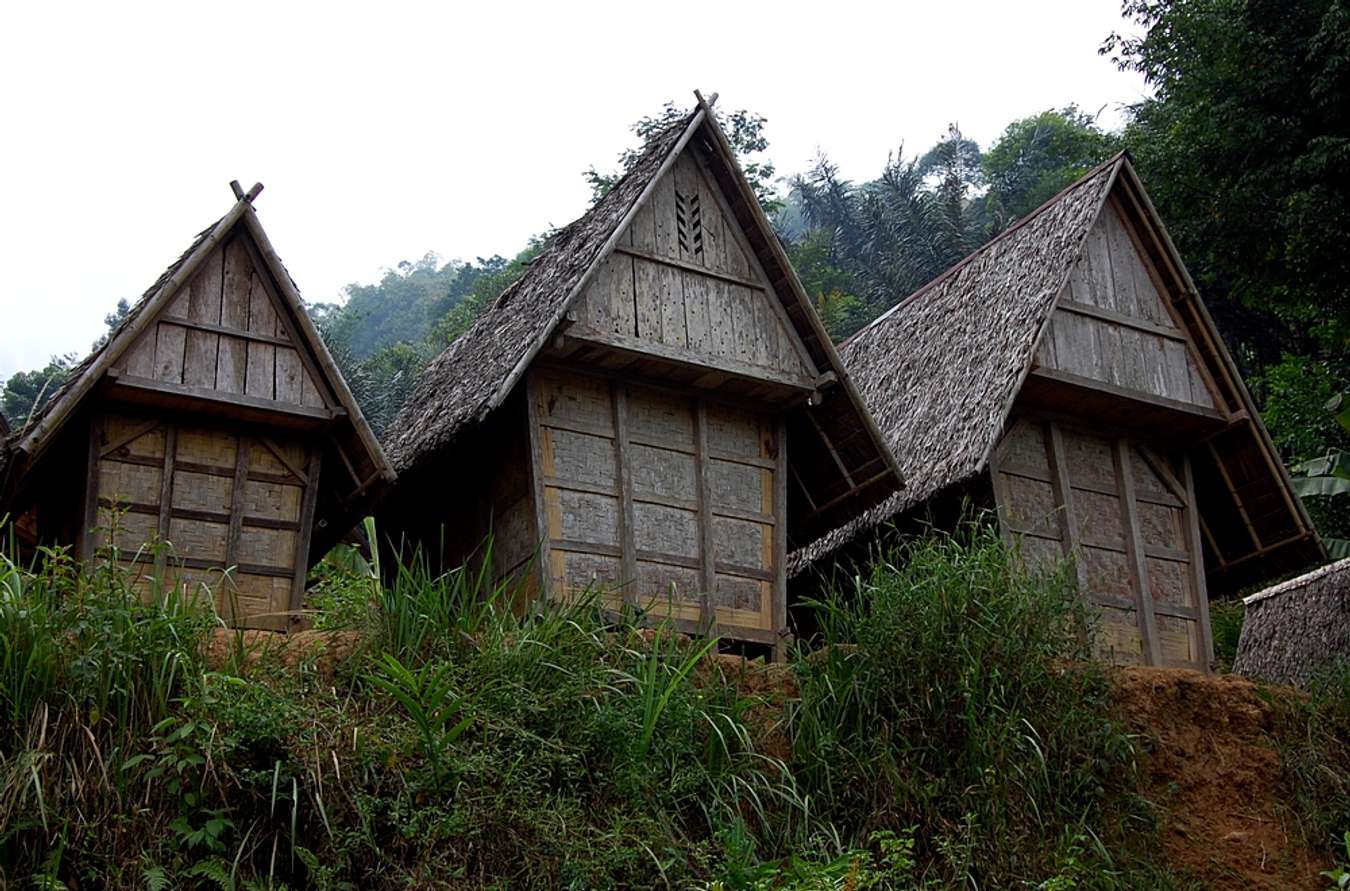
point(1122, 512)
point(690, 535)
point(218, 498)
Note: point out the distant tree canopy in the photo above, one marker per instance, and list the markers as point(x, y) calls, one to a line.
point(745, 132)
point(872, 244)
point(1038, 156)
point(27, 391)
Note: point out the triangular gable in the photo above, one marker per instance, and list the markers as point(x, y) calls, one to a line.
point(1111, 325)
point(943, 370)
point(682, 275)
point(224, 324)
point(842, 461)
point(228, 331)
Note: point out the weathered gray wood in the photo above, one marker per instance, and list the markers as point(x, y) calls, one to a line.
point(88, 534)
point(670, 294)
point(1138, 562)
point(170, 341)
point(1069, 517)
point(236, 511)
point(663, 206)
point(624, 484)
point(707, 532)
point(306, 528)
point(225, 400)
point(289, 371)
point(780, 623)
point(537, 474)
point(166, 494)
point(204, 299)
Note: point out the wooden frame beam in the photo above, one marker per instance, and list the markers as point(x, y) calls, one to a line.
point(1138, 558)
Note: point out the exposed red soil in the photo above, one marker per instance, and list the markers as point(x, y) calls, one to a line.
point(1215, 775)
point(325, 650)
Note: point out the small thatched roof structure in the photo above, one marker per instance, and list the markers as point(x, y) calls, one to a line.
point(842, 462)
point(22, 451)
point(940, 373)
point(1297, 627)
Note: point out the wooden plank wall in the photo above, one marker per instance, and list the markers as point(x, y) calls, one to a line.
point(226, 332)
point(663, 499)
point(1123, 511)
point(682, 278)
point(1112, 324)
point(220, 498)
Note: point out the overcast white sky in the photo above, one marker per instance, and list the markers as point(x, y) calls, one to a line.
point(384, 130)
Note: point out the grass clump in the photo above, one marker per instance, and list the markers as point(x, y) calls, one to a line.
point(953, 696)
point(945, 729)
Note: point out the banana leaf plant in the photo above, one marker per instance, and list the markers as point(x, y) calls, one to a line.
point(1328, 476)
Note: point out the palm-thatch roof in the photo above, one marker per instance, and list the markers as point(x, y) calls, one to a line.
point(940, 373)
point(1298, 627)
point(476, 373)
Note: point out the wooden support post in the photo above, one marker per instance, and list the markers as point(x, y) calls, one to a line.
point(537, 486)
point(707, 542)
point(780, 619)
point(1138, 559)
point(241, 455)
point(1197, 564)
point(166, 497)
point(89, 535)
point(1232, 490)
point(306, 530)
point(1068, 515)
point(624, 476)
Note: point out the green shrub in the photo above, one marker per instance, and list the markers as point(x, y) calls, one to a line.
point(952, 692)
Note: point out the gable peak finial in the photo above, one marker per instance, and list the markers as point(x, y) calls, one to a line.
point(241, 195)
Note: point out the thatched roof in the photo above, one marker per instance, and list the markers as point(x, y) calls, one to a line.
point(839, 456)
point(1297, 627)
point(941, 371)
point(22, 449)
point(475, 373)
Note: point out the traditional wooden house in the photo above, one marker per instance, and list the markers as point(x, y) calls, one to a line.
point(213, 419)
point(653, 408)
point(1068, 374)
point(1297, 628)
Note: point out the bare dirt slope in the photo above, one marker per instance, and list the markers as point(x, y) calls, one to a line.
point(1214, 773)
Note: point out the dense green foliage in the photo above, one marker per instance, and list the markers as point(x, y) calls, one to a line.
point(1245, 148)
point(27, 391)
point(934, 737)
point(861, 248)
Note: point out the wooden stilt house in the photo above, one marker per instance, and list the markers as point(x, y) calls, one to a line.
point(653, 409)
point(212, 419)
point(1068, 374)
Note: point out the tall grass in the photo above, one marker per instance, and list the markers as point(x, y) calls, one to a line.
point(951, 692)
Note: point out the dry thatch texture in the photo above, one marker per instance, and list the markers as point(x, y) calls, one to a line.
point(464, 383)
point(12, 440)
point(940, 370)
point(1297, 627)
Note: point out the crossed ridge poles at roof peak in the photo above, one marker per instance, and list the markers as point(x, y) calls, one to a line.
point(241, 195)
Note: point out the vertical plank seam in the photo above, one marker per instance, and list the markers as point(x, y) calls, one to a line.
point(707, 541)
point(1059, 465)
point(1198, 564)
point(1138, 559)
point(241, 458)
point(88, 536)
point(780, 542)
point(307, 511)
point(627, 532)
point(537, 486)
point(166, 497)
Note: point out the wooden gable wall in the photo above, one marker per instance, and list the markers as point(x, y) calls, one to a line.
point(227, 333)
point(684, 284)
point(1112, 326)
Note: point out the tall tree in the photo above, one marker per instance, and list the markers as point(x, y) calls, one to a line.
point(1246, 148)
point(27, 391)
point(1037, 156)
point(745, 132)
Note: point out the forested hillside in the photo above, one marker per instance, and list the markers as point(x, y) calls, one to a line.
point(1248, 164)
